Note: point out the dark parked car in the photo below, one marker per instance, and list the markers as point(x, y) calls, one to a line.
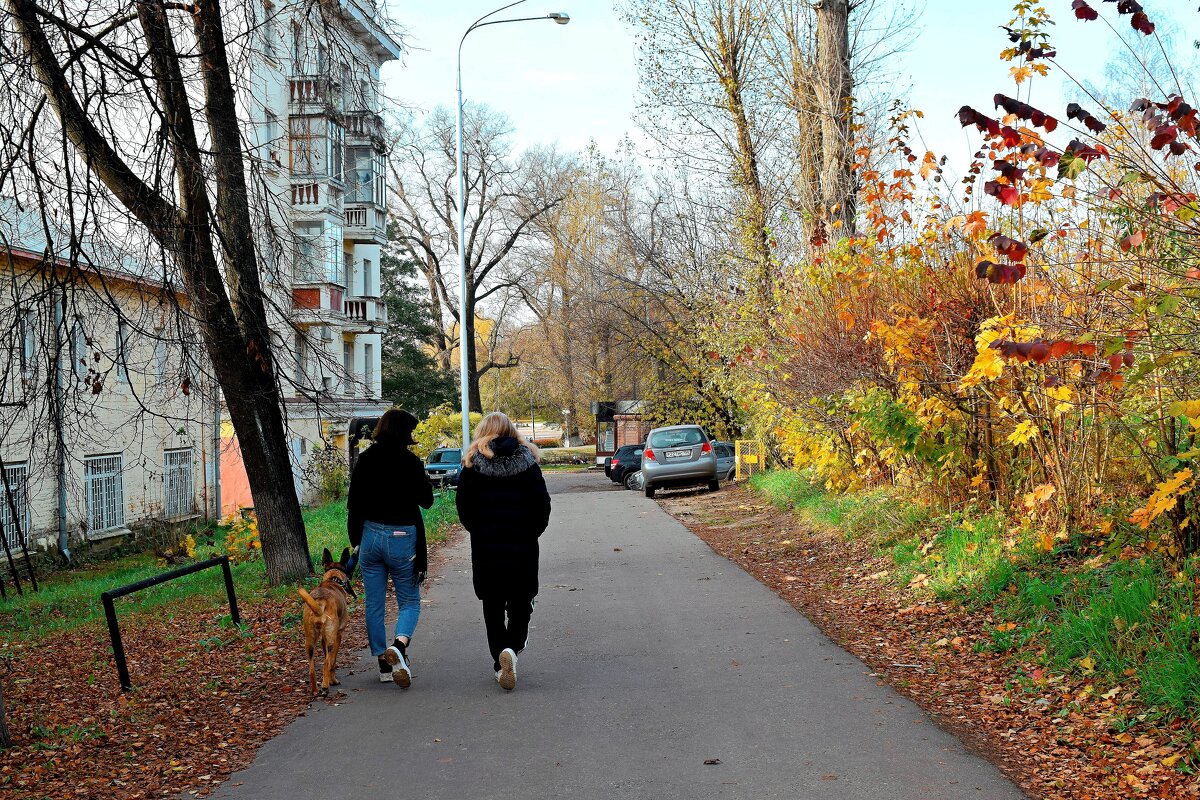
point(627, 459)
point(443, 466)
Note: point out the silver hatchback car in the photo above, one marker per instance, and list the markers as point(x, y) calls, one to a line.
point(679, 455)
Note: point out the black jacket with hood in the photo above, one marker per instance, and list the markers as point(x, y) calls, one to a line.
point(387, 486)
point(503, 503)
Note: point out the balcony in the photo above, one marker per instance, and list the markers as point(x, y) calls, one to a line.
point(312, 94)
point(365, 128)
point(365, 222)
point(318, 303)
point(366, 314)
point(316, 196)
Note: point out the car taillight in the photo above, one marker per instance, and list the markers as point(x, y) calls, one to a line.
point(648, 454)
point(707, 448)
point(616, 461)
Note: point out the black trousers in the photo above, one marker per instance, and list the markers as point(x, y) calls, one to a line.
point(512, 633)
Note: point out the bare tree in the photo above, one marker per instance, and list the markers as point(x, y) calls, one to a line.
point(505, 197)
point(146, 119)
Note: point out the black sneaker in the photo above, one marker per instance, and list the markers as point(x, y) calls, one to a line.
point(385, 670)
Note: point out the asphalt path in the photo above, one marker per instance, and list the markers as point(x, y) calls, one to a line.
point(655, 669)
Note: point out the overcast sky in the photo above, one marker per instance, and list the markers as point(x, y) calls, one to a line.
point(574, 83)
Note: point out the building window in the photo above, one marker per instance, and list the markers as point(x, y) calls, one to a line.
point(369, 368)
point(269, 34)
point(104, 492)
point(348, 271)
point(348, 364)
point(297, 48)
point(335, 148)
point(179, 491)
point(368, 279)
point(28, 334)
point(14, 494)
point(301, 361)
point(309, 258)
point(160, 360)
point(270, 137)
point(361, 180)
point(79, 349)
point(121, 344)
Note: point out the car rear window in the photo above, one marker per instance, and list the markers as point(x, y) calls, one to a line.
point(677, 437)
point(628, 450)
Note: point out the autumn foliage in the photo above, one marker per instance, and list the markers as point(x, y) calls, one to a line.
point(1025, 342)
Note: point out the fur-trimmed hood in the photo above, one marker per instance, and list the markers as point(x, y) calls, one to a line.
point(510, 459)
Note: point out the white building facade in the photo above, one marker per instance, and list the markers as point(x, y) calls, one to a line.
point(319, 144)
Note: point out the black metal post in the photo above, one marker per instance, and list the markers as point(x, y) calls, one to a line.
point(114, 634)
point(233, 609)
point(110, 611)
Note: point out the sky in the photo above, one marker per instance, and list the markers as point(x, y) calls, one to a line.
point(575, 83)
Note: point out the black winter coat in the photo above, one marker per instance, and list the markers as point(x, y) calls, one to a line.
point(503, 503)
point(387, 485)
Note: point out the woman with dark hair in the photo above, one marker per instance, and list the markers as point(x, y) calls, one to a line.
point(503, 503)
point(388, 532)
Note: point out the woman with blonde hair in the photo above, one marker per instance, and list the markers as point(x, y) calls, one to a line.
point(503, 503)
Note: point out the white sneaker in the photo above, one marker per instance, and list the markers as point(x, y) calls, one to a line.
point(385, 677)
point(401, 674)
point(507, 676)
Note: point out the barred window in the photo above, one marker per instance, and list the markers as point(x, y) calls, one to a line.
point(14, 494)
point(178, 483)
point(104, 492)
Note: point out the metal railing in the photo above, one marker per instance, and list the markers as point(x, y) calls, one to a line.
point(110, 611)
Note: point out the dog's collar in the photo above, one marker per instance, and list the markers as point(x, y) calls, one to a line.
point(346, 586)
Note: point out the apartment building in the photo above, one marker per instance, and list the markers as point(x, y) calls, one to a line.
point(102, 428)
point(319, 143)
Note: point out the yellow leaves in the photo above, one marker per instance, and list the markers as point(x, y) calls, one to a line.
point(847, 319)
point(1165, 496)
point(1062, 396)
point(976, 225)
point(189, 544)
point(1172, 760)
point(1023, 433)
point(1039, 190)
point(1087, 665)
point(988, 366)
point(1187, 408)
point(1020, 74)
point(1040, 495)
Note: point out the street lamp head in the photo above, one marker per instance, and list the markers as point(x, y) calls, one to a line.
point(560, 17)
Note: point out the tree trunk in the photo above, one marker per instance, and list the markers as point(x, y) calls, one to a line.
point(234, 331)
point(834, 86)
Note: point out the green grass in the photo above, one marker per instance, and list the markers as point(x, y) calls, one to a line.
point(1132, 621)
point(71, 598)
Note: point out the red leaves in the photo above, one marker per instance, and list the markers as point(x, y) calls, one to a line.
point(1011, 136)
point(1025, 111)
point(1006, 194)
point(1075, 111)
point(1001, 274)
point(1013, 249)
point(1084, 11)
point(1163, 135)
point(1011, 172)
point(1039, 351)
point(1132, 240)
point(1088, 153)
point(1139, 21)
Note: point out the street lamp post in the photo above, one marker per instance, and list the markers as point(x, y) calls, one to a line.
point(566, 427)
point(559, 18)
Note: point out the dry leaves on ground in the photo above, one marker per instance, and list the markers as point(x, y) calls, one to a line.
point(1051, 734)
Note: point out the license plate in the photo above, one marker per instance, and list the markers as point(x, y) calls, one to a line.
point(678, 453)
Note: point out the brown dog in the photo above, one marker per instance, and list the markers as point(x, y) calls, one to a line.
point(326, 616)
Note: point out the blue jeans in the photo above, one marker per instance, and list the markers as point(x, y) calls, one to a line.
point(389, 550)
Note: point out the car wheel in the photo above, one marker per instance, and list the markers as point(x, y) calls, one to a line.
point(732, 474)
point(633, 480)
point(714, 485)
point(649, 490)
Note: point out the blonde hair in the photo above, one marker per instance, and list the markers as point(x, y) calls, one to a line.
point(490, 428)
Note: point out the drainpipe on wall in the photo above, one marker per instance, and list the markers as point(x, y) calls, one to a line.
point(60, 445)
point(216, 456)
